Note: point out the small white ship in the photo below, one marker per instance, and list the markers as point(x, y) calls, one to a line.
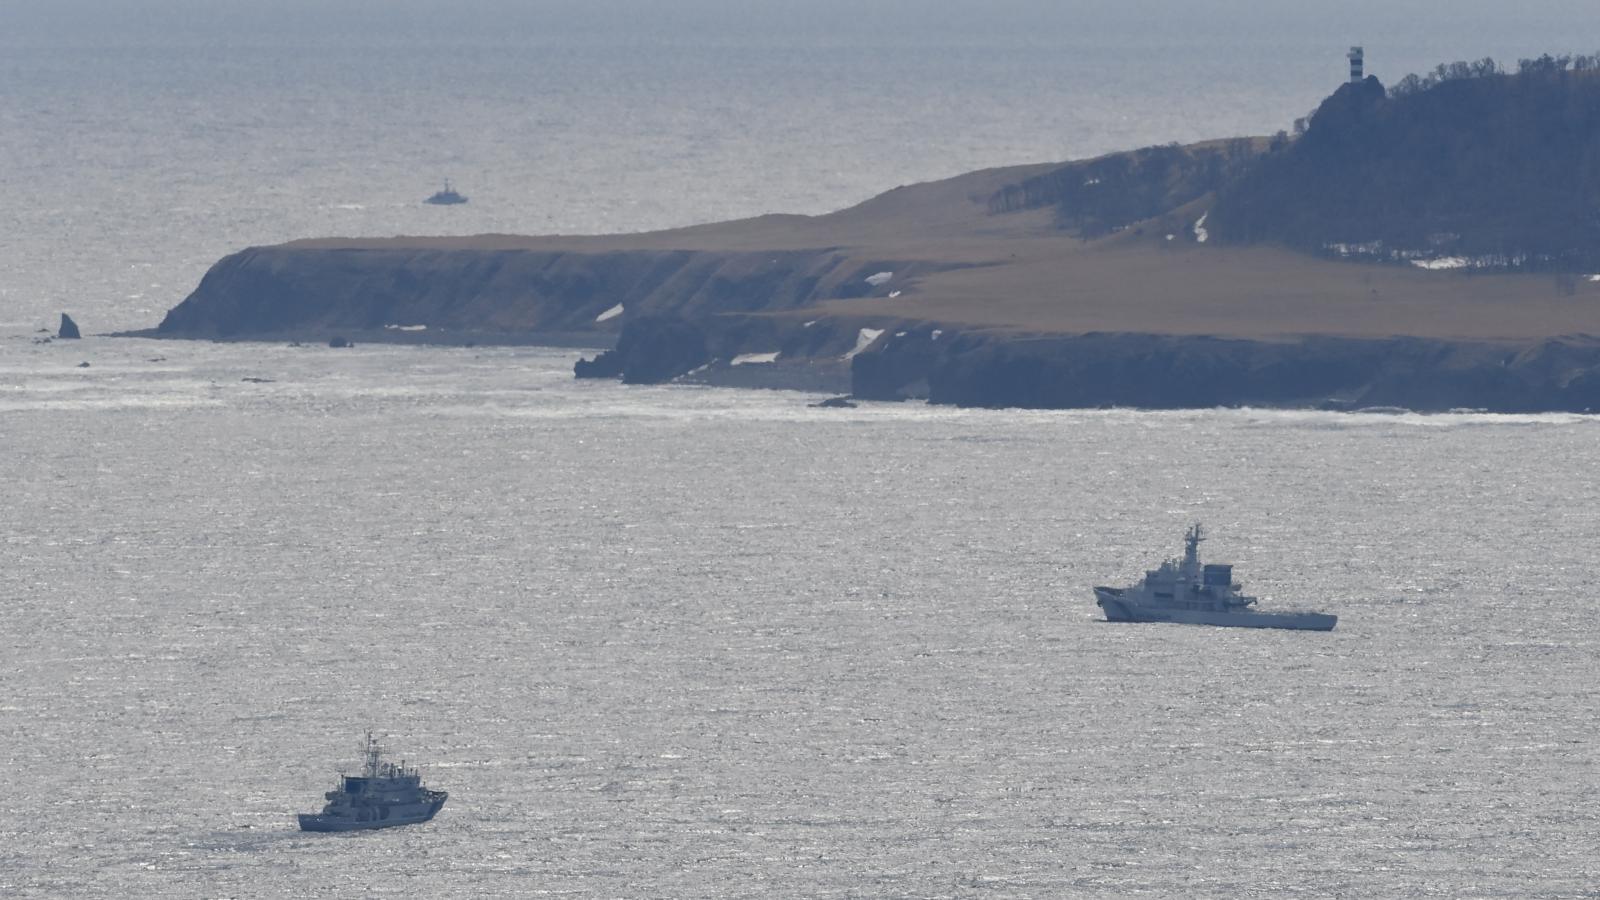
point(382, 796)
point(1186, 592)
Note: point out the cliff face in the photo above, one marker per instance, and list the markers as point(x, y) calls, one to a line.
point(288, 290)
point(1167, 372)
point(813, 354)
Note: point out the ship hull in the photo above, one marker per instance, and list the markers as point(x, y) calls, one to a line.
point(1118, 609)
point(409, 814)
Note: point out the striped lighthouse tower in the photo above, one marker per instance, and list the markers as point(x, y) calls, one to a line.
point(1356, 61)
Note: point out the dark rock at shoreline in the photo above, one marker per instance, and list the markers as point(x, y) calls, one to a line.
point(69, 329)
point(606, 364)
point(650, 350)
point(896, 365)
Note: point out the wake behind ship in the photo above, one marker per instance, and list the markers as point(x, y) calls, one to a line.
point(1187, 592)
point(382, 796)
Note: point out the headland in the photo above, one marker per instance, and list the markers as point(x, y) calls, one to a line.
point(1343, 267)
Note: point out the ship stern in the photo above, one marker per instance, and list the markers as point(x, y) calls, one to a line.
point(316, 822)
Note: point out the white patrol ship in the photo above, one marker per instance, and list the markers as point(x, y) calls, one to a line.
point(1189, 593)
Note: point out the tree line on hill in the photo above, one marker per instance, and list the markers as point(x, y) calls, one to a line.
point(1099, 196)
point(1483, 68)
point(1468, 160)
point(1471, 160)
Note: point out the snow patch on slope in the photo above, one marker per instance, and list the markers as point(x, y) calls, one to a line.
point(864, 339)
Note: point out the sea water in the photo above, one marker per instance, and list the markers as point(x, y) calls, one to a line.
point(675, 641)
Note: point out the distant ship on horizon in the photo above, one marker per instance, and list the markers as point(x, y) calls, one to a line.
point(446, 197)
point(1188, 593)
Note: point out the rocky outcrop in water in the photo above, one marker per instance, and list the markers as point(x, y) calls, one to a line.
point(650, 350)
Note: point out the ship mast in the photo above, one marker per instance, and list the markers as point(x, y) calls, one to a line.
point(1191, 550)
point(371, 767)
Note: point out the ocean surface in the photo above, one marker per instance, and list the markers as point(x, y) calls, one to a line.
point(688, 642)
point(691, 642)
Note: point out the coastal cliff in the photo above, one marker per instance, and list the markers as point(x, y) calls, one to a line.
point(1149, 278)
point(1166, 372)
point(284, 290)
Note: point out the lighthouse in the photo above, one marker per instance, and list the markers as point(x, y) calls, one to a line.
point(1356, 60)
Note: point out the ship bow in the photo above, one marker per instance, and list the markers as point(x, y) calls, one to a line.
point(1110, 600)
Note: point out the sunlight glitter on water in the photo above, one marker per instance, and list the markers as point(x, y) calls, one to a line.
point(871, 633)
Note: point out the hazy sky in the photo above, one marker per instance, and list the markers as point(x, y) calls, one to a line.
point(1161, 37)
point(1459, 22)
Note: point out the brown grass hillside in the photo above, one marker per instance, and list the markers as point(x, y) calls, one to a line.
point(1024, 271)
